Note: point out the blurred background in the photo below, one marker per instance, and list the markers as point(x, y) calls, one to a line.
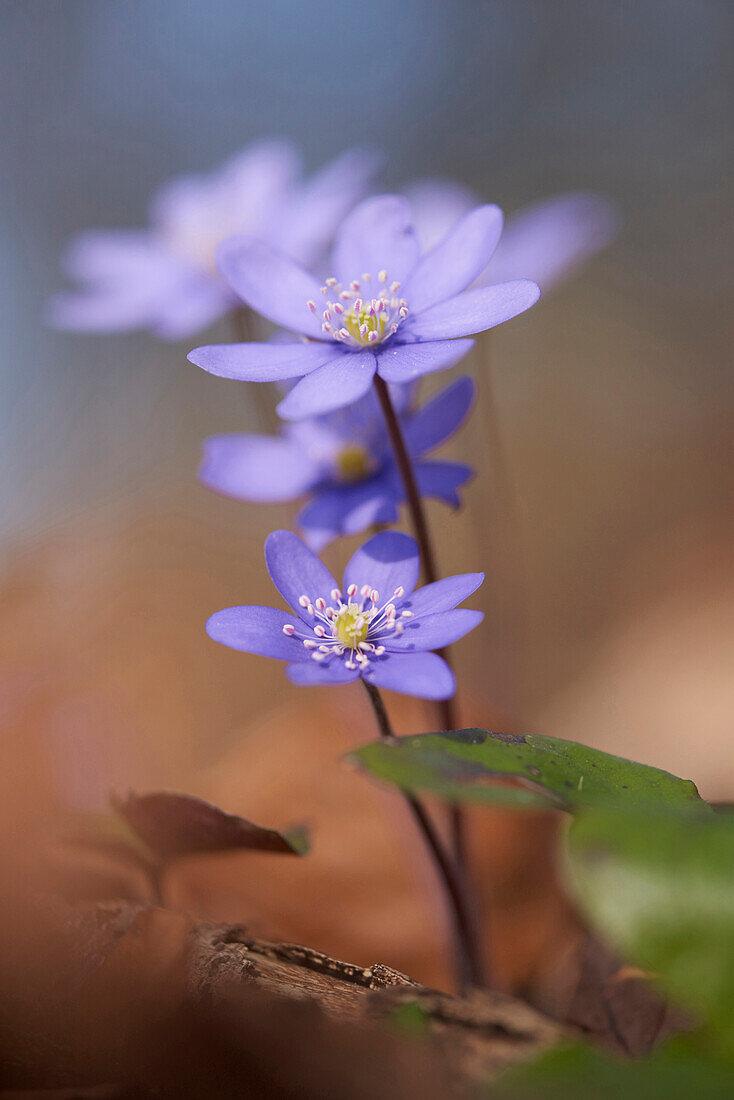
point(610, 591)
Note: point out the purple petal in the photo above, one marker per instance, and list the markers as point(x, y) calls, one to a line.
point(262, 362)
point(114, 256)
point(456, 262)
point(271, 164)
point(474, 310)
point(443, 595)
point(425, 675)
point(387, 561)
point(257, 467)
point(132, 281)
point(405, 362)
point(346, 378)
point(314, 674)
point(374, 505)
point(377, 235)
point(238, 196)
point(346, 511)
point(440, 417)
point(548, 240)
point(315, 208)
point(256, 630)
point(434, 631)
point(437, 205)
point(440, 480)
point(271, 284)
point(296, 571)
point(191, 308)
point(105, 312)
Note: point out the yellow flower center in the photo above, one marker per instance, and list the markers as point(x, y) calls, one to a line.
point(361, 324)
point(353, 463)
point(356, 631)
point(352, 626)
point(367, 313)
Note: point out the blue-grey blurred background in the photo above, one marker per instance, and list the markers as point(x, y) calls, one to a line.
point(614, 394)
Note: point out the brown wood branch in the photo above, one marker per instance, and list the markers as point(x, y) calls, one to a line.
point(139, 996)
point(478, 1035)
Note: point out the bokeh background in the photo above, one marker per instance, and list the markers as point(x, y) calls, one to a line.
point(610, 591)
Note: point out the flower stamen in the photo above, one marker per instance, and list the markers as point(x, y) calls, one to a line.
point(365, 321)
point(356, 629)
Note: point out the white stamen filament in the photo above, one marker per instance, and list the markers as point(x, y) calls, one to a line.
point(365, 321)
point(354, 630)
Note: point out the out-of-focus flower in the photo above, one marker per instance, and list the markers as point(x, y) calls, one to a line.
point(344, 462)
point(375, 627)
point(388, 308)
point(546, 241)
point(164, 278)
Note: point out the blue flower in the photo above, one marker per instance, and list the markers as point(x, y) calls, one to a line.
point(376, 626)
point(387, 309)
point(164, 278)
point(344, 462)
point(546, 241)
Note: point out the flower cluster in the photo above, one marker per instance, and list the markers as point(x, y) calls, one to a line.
point(410, 279)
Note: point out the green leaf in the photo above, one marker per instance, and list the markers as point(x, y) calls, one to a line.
point(464, 766)
point(661, 888)
point(674, 1072)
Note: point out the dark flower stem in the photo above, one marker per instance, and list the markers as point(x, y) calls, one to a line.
point(469, 969)
point(445, 707)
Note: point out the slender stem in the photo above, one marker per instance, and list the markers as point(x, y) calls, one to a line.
point(467, 954)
